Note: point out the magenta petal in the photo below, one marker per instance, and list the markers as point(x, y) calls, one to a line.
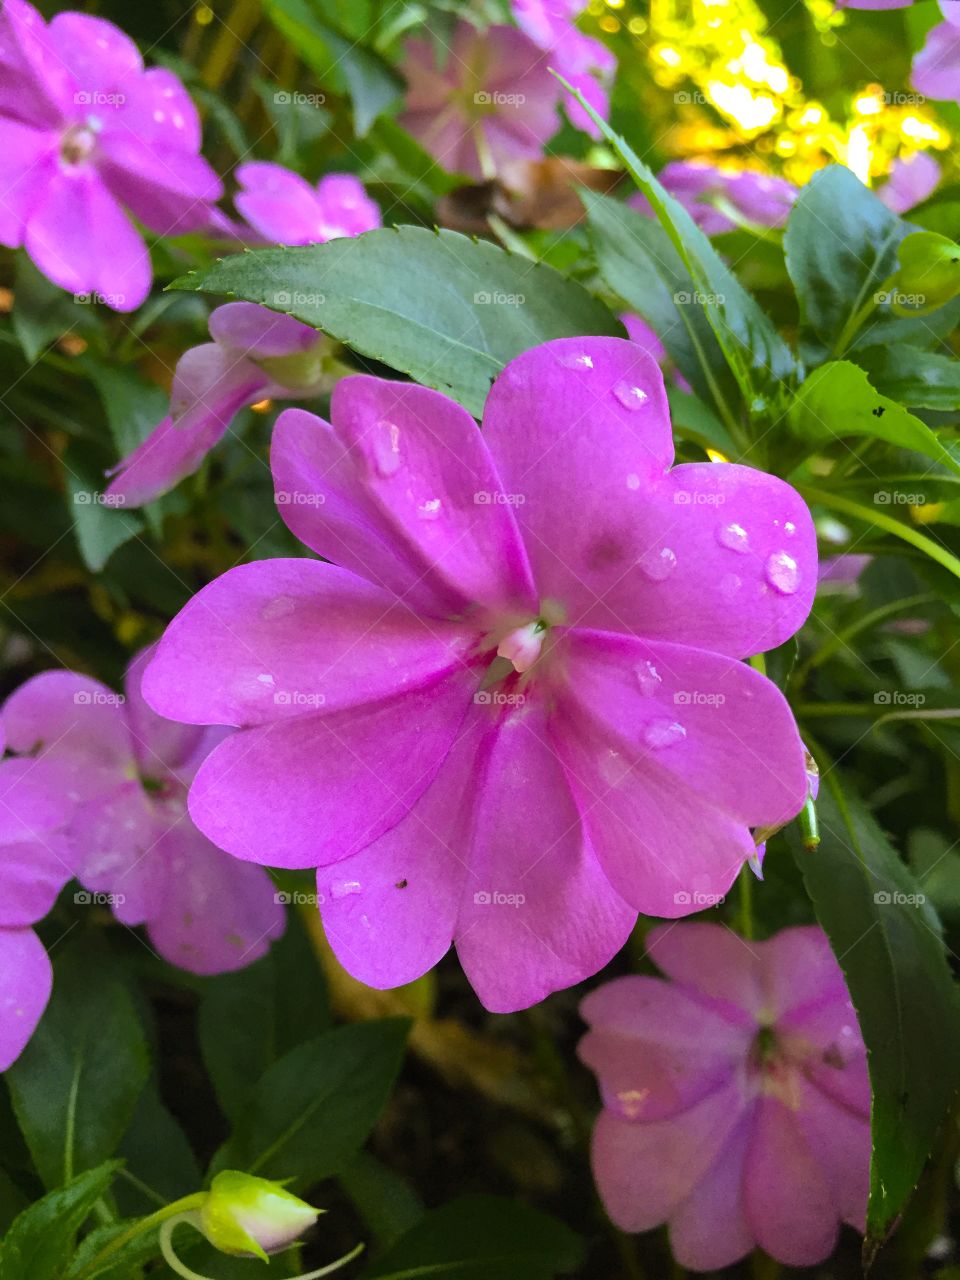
point(305, 793)
point(278, 203)
point(97, 53)
point(26, 978)
point(281, 639)
point(709, 1230)
point(216, 914)
point(345, 207)
point(80, 237)
point(712, 960)
point(35, 86)
point(799, 970)
point(169, 191)
point(911, 182)
point(644, 1171)
point(115, 838)
point(168, 455)
point(68, 713)
point(27, 163)
point(841, 1140)
point(212, 384)
point(538, 913)
point(789, 1204)
point(256, 331)
point(158, 111)
point(162, 747)
point(936, 68)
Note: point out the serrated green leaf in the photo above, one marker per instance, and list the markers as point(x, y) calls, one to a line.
point(40, 1242)
point(917, 379)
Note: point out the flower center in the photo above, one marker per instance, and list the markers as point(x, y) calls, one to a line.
point(523, 645)
point(78, 142)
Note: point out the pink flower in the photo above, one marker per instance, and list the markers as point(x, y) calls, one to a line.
point(910, 183)
point(736, 1100)
point(640, 332)
point(512, 713)
point(704, 191)
point(34, 867)
point(255, 354)
point(125, 773)
point(873, 4)
point(585, 63)
point(285, 209)
point(491, 101)
point(87, 136)
point(936, 68)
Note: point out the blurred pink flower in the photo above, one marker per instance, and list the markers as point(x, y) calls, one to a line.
point(936, 68)
point(910, 183)
point(585, 63)
point(701, 188)
point(643, 335)
point(125, 772)
point(512, 713)
point(873, 4)
point(285, 209)
point(87, 137)
point(256, 354)
point(736, 1099)
point(493, 99)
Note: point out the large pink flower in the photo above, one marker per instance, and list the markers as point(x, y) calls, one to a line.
point(285, 209)
point(736, 1099)
point(707, 193)
point(513, 712)
point(585, 63)
point(936, 68)
point(491, 100)
point(125, 773)
point(255, 354)
point(86, 134)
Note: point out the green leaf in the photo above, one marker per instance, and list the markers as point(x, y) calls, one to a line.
point(481, 1238)
point(887, 941)
point(386, 1202)
point(100, 527)
point(250, 1018)
point(841, 247)
point(837, 401)
point(159, 1165)
point(759, 358)
point(371, 81)
point(42, 312)
point(75, 1086)
point(638, 261)
point(929, 274)
point(447, 310)
point(918, 379)
point(124, 1263)
point(41, 1241)
point(312, 1109)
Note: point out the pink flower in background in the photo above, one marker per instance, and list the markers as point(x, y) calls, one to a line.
point(493, 99)
point(936, 68)
point(255, 354)
point(641, 333)
point(125, 773)
point(704, 191)
point(512, 713)
point(88, 137)
point(910, 183)
point(285, 209)
point(34, 867)
point(873, 4)
point(736, 1099)
point(585, 63)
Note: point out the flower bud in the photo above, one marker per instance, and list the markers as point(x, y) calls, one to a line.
point(244, 1215)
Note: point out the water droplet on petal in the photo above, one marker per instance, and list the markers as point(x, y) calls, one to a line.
point(658, 564)
point(663, 733)
point(385, 445)
point(430, 510)
point(630, 395)
point(343, 888)
point(279, 607)
point(266, 679)
point(579, 361)
point(633, 481)
point(614, 768)
point(783, 573)
point(648, 678)
point(734, 538)
point(789, 528)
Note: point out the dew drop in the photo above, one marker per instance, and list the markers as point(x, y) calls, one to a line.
point(789, 528)
point(663, 733)
point(734, 537)
point(633, 481)
point(430, 510)
point(630, 395)
point(386, 447)
point(279, 607)
point(648, 678)
point(658, 565)
point(783, 573)
point(578, 361)
point(343, 888)
point(267, 679)
point(614, 768)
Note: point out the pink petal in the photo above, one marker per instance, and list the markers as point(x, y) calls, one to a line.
point(711, 960)
point(840, 1071)
point(26, 978)
point(910, 182)
point(27, 165)
point(162, 746)
point(709, 1230)
point(35, 860)
point(71, 714)
point(282, 639)
point(841, 1140)
point(158, 113)
point(308, 792)
point(789, 1204)
point(345, 207)
point(116, 837)
point(97, 54)
point(79, 237)
point(936, 68)
point(257, 331)
point(35, 86)
point(645, 1171)
point(168, 190)
point(799, 969)
point(211, 384)
point(217, 914)
point(168, 455)
point(278, 203)
point(537, 914)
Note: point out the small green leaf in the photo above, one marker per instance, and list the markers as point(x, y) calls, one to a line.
point(100, 526)
point(929, 272)
point(887, 941)
point(447, 310)
point(40, 1243)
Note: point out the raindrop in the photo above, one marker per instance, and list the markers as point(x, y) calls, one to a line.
point(266, 678)
point(658, 565)
point(649, 679)
point(663, 733)
point(343, 888)
point(430, 510)
point(783, 573)
point(633, 481)
point(734, 538)
point(789, 528)
point(630, 395)
point(578, 361)
point(386, 447)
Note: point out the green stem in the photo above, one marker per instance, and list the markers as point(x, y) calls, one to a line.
point(177, 1208)
point(746, 902)
point(842, 638)
point(856, 318)
point(181, 1268)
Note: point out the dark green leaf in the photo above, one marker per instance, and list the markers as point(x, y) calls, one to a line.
point(42, 312)
point(75, 1086)
point(387, 1203)
point(41, 1240)
point(312, 1110)
point(918, 379)
point(447, 310)
point(887, 941)
point(100, 525)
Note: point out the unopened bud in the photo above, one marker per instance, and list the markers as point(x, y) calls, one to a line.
point(244, 1215)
